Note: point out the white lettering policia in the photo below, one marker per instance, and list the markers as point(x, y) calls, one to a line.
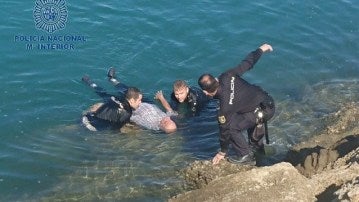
point(232, 91)
point(239, 105)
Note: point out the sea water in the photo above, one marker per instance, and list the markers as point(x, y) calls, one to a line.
point(45, 153)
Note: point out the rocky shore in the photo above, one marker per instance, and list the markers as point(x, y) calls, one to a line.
point(322, 168)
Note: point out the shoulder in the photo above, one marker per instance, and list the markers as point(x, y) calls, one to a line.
point(144, 106)
point(196, 91)
point(224, 78)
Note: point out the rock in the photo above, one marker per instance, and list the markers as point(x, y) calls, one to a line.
point(311, 157)
point(280, 182)
point(340, 179)
point(200, 173)
point(323, 168)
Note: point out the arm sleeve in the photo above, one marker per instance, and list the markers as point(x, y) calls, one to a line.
point(247, 63)
point(224, 138)
point(224, 114)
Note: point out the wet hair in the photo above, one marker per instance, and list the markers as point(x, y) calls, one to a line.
point(133, 92)
point(168, 126)
point(208, 83)
point(179, 84)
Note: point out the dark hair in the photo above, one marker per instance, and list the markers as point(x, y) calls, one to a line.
point(133, 92)
point(208, 83)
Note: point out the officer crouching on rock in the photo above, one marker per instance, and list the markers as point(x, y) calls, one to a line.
point(243, 106)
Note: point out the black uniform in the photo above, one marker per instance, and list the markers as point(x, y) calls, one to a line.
point(194, 101)
point(238, 101)
point(113, 114)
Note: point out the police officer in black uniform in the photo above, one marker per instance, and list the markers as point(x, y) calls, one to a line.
point(115, 112)
point(243, 106)
point(190, 98)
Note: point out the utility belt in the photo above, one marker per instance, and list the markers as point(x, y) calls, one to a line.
point(262, 116)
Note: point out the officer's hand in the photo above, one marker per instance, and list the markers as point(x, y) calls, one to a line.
point(266, 47)
point(219, 156)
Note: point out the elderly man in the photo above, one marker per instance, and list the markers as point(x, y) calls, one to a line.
point(146, 115)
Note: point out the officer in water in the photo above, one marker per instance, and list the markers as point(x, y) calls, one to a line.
point(115, 111)
point(191, 98)
point(243, 107)
point(127, 106)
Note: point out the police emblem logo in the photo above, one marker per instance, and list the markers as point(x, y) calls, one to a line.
point(222, 119)
point(50, 15)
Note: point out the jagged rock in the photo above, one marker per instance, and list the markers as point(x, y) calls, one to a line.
point(312, 156)
point(327, 170)
point(339, 182)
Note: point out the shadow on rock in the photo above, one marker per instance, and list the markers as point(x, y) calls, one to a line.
point(310, 161)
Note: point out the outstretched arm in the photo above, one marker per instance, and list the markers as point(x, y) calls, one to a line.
point(250, 60)
point(159, 96)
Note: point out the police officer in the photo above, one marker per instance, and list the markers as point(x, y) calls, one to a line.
point(239, 103)
point(191, 97)
point(115, 112)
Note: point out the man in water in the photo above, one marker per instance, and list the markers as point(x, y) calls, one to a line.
point(243, 106)
point(114, 112)
point(146, 115)
point(193, 98)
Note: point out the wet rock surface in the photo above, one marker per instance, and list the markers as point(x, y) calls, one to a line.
point(201, 173)
point(322, 168)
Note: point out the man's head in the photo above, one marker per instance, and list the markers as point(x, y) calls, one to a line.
point(180, 90)
point(209, 84)
point(134, 97)
point(167, 125)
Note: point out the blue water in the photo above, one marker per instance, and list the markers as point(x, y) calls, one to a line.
point(46, 155)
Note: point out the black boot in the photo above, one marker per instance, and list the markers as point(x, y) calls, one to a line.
point(86, 79)
point(257, 148)
point(256, 139)
point(111, 73)
point(243, 160)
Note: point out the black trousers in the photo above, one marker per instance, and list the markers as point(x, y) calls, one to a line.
point(121, 88)
point(242, 122)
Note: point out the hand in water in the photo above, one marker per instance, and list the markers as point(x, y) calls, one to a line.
point(266, 47)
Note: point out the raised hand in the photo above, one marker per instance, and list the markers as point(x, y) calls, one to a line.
point(266, 48)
